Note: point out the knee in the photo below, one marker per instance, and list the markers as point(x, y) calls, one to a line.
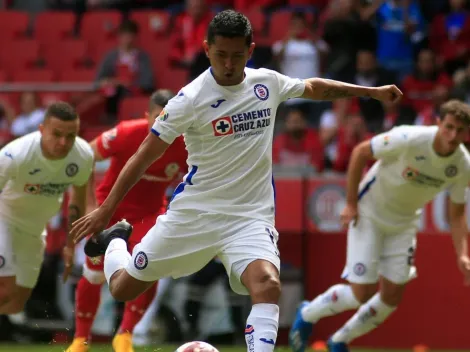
point(266, 290)
point(363, 292)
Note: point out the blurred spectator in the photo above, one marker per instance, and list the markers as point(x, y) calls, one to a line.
point(369, 74)
point(31, 115)
point(298, 145)
point(188, 34)
point(396, 115)
point(400, 27)
point(341, 144)
point(126, 70)
point(440, 95)
point(418, 87)
point(7, 115)
point(340, 32)
point(299, 54)
point(450, 35)
point(461, 90)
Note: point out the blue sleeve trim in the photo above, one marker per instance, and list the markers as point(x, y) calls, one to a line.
point(155, 132)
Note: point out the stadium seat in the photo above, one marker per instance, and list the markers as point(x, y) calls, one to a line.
point(172, 78)
point(151, 23)
point(47, 98)
point(159, 55)
point(132, 107)
point(66, 54)
point(34, 76)
point(13, 25)
point(51, 27)
point(91, 132)
point(258, 21)
point(99, 26)
point(99, 49)
point(3, 76)
point(21, 54)
point(81, 75)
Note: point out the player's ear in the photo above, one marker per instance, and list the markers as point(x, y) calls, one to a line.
point(251, 49)
point(205, 45)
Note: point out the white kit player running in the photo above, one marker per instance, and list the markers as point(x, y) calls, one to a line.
point(225, 205)
point(414, 164)
point(35, 171)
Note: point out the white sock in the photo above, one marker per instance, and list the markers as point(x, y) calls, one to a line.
point(369, 316)
point(261, 327)
point(336, 299)
point(116, 257)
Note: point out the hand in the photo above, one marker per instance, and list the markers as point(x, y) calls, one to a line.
point(464, 265)
point(349, 214)
point(387, 94)
point(92, 223)
point(68, 254)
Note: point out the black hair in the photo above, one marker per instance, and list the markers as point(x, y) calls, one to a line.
point(160, 98)
point(129, 26)
point(62, 111)
point(230, 24)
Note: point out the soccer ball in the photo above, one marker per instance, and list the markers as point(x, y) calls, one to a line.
point(197, 346)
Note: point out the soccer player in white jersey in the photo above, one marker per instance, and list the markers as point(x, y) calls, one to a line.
point(414, 164)
point(225, 205)
point(35, 171)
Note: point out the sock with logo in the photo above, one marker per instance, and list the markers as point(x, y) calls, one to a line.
point(369, 316)
point(336, 299)
point(116, 258)
point(87, 300)
point(261, 327)
point(134, 310)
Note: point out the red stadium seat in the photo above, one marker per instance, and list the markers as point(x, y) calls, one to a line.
point(151, 24)
point(258, 21)
point(82, 75)
point(172, 78)
point(13, 25)
point(89, 133)
point(51, 27)
point(47, 98)
point(159, 55)
point(99, 49)
point(277, 32)
point(132, 107)
point(66, 54)
point(3, 76)
point(33, 76)
point(21, 54)
point(99, 26)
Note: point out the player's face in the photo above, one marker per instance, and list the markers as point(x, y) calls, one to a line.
point(451, 133)
point(228, 58)
point(58, 137)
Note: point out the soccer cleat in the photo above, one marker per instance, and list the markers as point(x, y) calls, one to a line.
point(79, 344)
point(123, 342)
point(96, 245)
point(300, 331)
point(337, 346)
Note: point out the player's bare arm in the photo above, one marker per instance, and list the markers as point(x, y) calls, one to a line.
point(76, 209)
point(149, 151)
point(361, 154)
point(459, 232)
point(327, 89)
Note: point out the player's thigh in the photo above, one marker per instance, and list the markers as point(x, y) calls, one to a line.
point(180, 243)
point(364, 246)
point(251, 240)
point(397, 263)
point(29, 256)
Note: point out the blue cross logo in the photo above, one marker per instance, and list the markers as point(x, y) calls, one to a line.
point(222, 126)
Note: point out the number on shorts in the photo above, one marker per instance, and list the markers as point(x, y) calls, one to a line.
point(411, 256)
point(273, 240)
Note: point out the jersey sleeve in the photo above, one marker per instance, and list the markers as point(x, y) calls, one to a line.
point(175, 119)
point(390, 144)
point(110, 143)
point(87, 168)
point(8, 166)
point(459, 191)
point(290, 87)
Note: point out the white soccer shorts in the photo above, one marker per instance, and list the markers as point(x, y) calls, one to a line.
point(374, 250)
point(21, 254)
point(183, 242)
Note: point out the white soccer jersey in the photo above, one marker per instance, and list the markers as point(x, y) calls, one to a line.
point(409, 174)
point(32, 186)
point(228, 133)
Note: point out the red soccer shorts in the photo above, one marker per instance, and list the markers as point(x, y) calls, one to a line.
point(140, 229)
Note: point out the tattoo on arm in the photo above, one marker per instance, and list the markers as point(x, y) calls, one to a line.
point(74, 215)
point(336, 93)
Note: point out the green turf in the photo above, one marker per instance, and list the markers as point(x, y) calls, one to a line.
point(107, 348)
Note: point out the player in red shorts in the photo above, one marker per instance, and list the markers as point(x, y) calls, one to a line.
point(138, 207)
